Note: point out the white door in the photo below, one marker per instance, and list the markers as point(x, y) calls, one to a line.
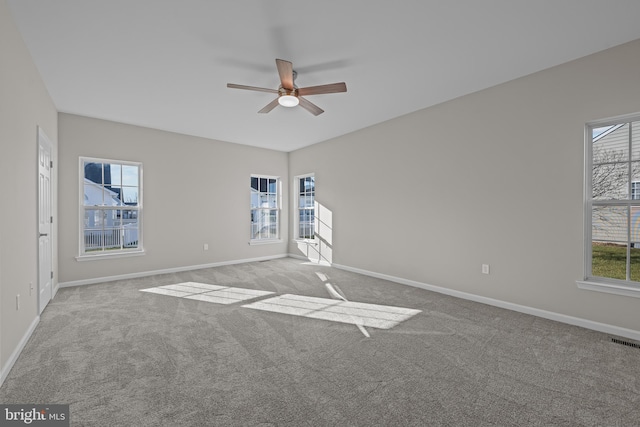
point(45, 270)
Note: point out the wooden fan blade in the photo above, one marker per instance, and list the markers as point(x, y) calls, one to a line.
point(309, 106)
point(270, 106)
point(258, 89)
point(316, 90)
point(285, 69)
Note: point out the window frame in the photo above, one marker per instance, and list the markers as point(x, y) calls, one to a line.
point(83, 254)
point(277, 209)
point(297, 209)
point(591, 282)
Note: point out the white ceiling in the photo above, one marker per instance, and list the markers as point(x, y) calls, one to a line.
point(165, 63)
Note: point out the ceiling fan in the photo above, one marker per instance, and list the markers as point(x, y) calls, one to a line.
point(289, 95)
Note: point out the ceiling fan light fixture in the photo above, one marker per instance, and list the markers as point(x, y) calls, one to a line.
point(288, 100)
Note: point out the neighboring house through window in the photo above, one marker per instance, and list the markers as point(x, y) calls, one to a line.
point(265, 209)
point(612, 233)
point(305, 190)
point(635, 190)
point(110, 207)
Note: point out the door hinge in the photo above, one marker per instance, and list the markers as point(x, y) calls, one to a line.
point(52, 274)
point(51, 164)
point(51, 220)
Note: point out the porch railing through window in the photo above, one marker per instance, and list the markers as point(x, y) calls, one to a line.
point(97, 239)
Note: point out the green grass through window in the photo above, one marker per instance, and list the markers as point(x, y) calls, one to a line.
point(610, 261)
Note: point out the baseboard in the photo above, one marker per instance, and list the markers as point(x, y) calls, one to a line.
point(576, 321)
point(164, 271)
point(16, 352)
point(300, 257)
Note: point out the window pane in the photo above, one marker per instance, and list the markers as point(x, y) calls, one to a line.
point(635, 141)
point(93, 172)
point(254, 184)
point(306, 201)
point(112, 174)
point(92, 219)
point(130, 231)
point(272, 186)
point(610, 181)
point(635, 243)
point(306, 224)
point(611, 144)
point(255, 200)
point(263, 185)
point(255, 225)
point(130, 175)
point(130, 196)
point(111, 227)
point(112, 196)
point(609, 224)
point(609, 260)
point(93, 194)
point(273, 223)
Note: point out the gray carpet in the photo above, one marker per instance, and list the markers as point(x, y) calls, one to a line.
point(121, 357)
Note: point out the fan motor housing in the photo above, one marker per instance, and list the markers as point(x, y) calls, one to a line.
point(293, 92)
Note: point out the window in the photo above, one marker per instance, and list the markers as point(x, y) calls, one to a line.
point(612, 194)
point(265, 209)
point(305, 209)
point(110, 207)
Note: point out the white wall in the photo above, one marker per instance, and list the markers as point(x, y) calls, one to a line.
point(24, 105)
point(493, 177)
point(195, 191)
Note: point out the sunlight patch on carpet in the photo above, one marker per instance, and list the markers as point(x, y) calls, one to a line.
point(208, 293)
point(355, 313)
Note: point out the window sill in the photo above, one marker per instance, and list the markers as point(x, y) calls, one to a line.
point(625, 290)
point(265, 242)
point(92, 257)
point(309, 241)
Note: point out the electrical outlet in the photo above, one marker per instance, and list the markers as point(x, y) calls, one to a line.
point(18, 302)
point(485, 268)
point(205, 247)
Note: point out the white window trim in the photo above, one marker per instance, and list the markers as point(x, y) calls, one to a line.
point(592, 284)
point(589, 282)
point(254, 242)
point(296, 213)
point(277, 239)
point(125, 253)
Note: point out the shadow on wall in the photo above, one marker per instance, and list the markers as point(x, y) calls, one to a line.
point(320, 248)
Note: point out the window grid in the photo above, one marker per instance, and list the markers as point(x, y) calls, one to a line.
point(305, 207)
point(613, 202)
point(265, 208)
point(110, 207)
